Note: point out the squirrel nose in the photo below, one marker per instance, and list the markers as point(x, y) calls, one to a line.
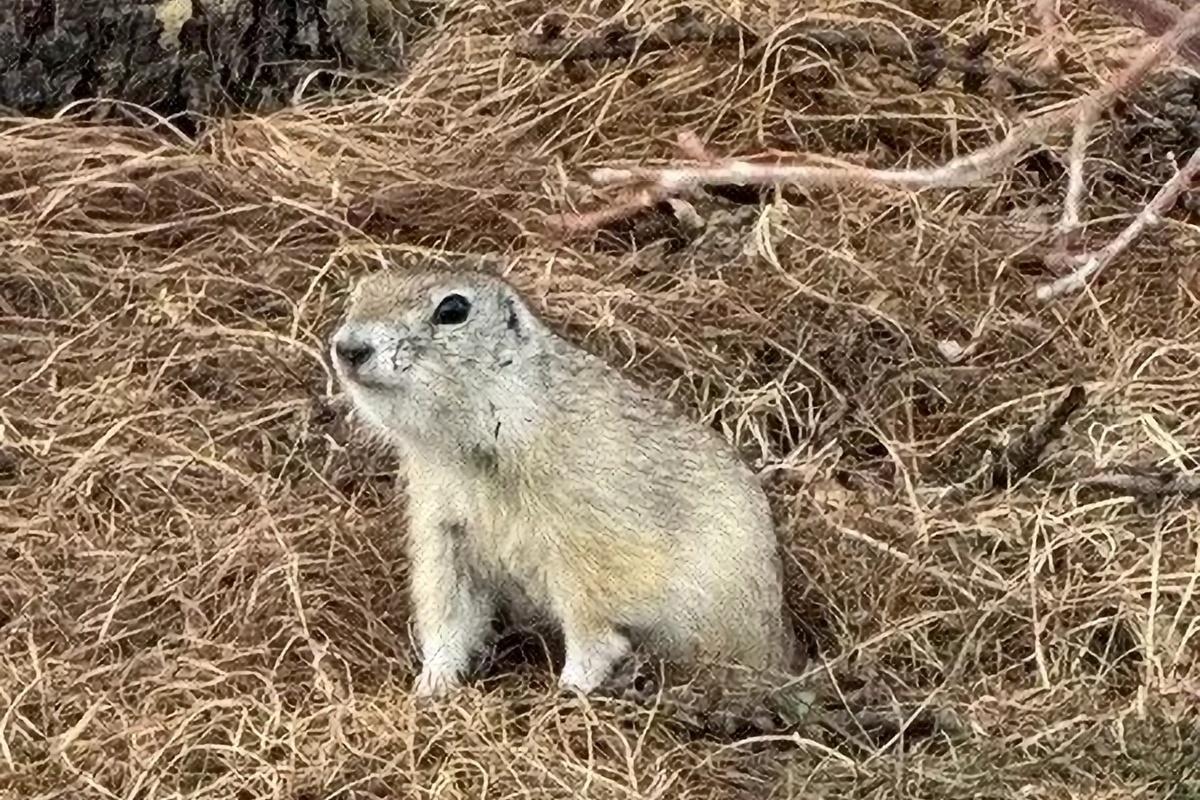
point(354, 353)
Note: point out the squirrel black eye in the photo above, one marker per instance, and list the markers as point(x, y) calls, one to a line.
point(452, 310)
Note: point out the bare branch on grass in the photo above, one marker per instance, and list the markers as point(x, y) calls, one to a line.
point(1092, 106)
point(1095, 263)
point(962, 171)
point(959, 171)
point(655, 184)
point(1075, 157)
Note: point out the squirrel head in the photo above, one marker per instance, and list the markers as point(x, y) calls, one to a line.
point(437, 356)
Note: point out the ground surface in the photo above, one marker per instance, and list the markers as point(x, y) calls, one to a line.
point(201, 569)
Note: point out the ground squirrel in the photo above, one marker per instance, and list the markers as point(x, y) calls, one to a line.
point(541, 478)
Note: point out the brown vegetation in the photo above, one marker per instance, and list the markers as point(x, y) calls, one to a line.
point(988, 501)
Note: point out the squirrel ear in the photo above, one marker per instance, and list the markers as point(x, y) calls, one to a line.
point(512, 318)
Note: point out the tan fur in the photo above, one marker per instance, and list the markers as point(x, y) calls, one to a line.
point(540, 477)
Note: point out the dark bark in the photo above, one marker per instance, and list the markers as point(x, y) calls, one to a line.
point(209, 57)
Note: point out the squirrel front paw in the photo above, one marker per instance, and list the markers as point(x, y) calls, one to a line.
point(434, 682)
point(590, 661)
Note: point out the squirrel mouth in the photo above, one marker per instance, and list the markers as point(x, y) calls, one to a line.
point(367, 383)
point(354, 377)
point(354, 368)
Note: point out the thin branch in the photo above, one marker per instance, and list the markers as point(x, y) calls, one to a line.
point(961, 171)
point(1071, 217)
point(1150, 215)
point(1093, 105)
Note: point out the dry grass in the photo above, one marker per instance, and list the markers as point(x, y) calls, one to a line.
point(201, 569)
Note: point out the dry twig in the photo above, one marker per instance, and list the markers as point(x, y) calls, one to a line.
point(1093, 105)
point(1092, 265)
point(659, 183)
point(1075, 158)
point(961, 171)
